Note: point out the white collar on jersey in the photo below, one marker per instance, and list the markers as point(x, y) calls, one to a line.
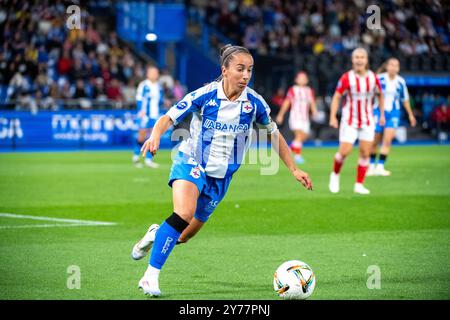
point(221, 94)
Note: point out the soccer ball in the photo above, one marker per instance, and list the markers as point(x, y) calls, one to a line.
point(294, 280)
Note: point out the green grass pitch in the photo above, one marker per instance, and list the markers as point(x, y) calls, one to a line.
point(403, 227)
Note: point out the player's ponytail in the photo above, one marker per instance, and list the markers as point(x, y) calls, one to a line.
point(226, 55)
point(382, 68)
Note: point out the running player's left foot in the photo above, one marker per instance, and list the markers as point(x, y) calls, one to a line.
point(150, 286)
point(151, 164)
point(359, 188)
point(380, 171)
point(142, 248)
point(299, 159)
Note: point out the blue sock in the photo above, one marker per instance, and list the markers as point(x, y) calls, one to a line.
point(137, 148)
point(149, 156)
point(166, 238)
point(382, 159)
point(373, 158)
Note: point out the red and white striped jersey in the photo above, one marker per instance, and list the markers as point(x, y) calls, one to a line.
point(357, 110)
point(301, 99)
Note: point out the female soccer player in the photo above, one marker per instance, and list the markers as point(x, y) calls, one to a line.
point(360, 85)
point(300, 98)
point(223, 114)
point(395, 94)
point(149, 97)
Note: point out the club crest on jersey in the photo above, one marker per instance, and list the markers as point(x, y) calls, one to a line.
point(195, 172)
point(182, 105)
point(247, 108)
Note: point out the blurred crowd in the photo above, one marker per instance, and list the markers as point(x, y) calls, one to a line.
point(46, 66)
point(333, 26)
point(432, 110)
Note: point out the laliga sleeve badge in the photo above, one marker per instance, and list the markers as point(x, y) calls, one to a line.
point(182, 105)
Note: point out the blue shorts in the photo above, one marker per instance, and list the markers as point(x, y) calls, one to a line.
point(392, 120)
point(211, 190)
point(145, 122)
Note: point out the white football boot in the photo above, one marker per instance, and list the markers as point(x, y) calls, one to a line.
point(136, 162)
point(380, 171)
point(142, 248)
point(371, 171)
point(150, 286)
point(359, 188)
point(334, 183)
point(149, 163)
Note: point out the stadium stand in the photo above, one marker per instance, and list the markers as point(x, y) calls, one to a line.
point(45, 66)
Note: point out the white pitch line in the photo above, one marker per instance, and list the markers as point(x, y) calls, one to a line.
point(68, 222)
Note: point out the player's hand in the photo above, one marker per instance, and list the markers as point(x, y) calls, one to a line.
point(279, 120)
point(334, 122)
point(150, 145)
point(382, 120)
point(412, 120)
point(303, 178)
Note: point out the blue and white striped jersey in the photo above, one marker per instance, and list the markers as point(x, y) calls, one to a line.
point(149, 97)
point(220, 129)
point(395, 92)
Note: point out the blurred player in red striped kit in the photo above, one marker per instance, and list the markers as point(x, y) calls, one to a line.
point(360, 86)
point(300, 98)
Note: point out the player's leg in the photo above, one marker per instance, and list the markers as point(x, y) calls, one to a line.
point(388, 137)
point(138, 145)
point(378, 136)
point(347, 137)
point(373, 154)
point(185, 195)
point(297, 145)
point(363, 164)
point(194, 226)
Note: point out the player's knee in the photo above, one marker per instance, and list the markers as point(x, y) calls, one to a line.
point(186, 214)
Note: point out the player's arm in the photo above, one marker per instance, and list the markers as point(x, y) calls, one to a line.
point(313, 104)
point(407, 105)
point(284, 152)
point(175, 115)
point(380, 95)
point(278, 142)
point(152, 144)
point(284, 108)
point(334, 108)
point(411, 117)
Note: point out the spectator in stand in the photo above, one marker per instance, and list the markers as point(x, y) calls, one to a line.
point(178, 90)
point(65, 63)
point(113, 90)
point(441, 119)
